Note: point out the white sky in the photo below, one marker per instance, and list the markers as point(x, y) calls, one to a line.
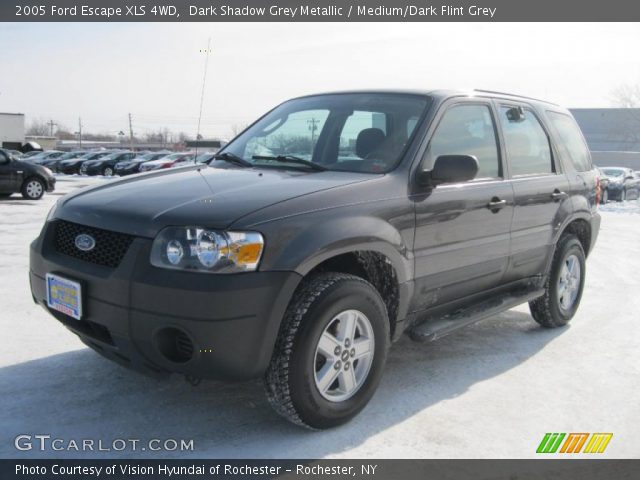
point(104, 71)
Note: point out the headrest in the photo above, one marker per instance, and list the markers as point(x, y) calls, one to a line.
point(368, 140)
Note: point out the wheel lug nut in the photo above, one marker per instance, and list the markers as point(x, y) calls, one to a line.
point(347, 343)
point(353, 352)
point(337, 351)
point(346, 366)
point(337, 365)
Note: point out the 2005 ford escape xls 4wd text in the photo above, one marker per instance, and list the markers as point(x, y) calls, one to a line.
point(320, 234)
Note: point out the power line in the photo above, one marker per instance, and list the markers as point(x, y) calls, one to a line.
point(204, 82)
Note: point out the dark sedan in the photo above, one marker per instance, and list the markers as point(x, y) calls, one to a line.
point(72, 166)
point(105, 165)
point(133, 166)
point(54, 163)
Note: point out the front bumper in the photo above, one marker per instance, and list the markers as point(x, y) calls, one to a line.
point(51, 184)
point(232, 321)
point(91, 170)
point(69, 169)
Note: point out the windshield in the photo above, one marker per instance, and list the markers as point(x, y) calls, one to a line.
point(613, 172)
point(360, 132)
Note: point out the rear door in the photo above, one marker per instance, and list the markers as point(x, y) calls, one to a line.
point(462, 230)
point(541, 188)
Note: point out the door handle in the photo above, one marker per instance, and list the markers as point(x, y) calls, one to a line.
point(496, 204)
point(557, 195)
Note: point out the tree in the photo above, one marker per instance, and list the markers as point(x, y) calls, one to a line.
point(38, 128)
point(626, 96)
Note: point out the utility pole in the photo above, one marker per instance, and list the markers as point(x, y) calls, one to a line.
point(51, 125)
point(80, 131)
point(313, 126)
point(130, 132)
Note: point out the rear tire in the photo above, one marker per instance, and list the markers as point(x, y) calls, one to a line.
point(623, 195)
point(107, 171)
point(330, 353)
point(33, 188)
point(605, 197)
point(564, 285)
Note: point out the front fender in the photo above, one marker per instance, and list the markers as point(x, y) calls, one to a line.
point(301, 243)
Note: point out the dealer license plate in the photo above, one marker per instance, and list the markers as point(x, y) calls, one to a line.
point(64, 295)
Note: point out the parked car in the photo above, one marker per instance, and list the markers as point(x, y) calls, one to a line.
point(42, 156)
point(72, 166)
point(604, 185)
point(287, 259)
point(105, 165)
point(623, 185)
point(169, 161)
point(30, 154)
point(16, 154)
point(53, 163)
point(133, 166)
point(30, 179)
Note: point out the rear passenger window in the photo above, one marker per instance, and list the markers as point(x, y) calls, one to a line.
point(572, 140)
point(526, 142)
point(468, 130)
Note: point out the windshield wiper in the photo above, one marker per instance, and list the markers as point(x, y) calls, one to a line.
point(291, 159)
point(232, 158)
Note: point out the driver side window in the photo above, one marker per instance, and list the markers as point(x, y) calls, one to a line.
point(467, 130)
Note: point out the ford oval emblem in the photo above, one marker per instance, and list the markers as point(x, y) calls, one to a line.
point(85, 242)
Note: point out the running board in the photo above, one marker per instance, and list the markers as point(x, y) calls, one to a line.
point(437, 327)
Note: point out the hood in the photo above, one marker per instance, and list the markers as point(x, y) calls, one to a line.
point(208, 197)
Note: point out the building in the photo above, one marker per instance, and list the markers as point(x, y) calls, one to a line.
point(11, 130)
point(613, 135)
point(46, 142)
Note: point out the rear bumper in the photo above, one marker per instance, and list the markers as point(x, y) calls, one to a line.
point(232, 321)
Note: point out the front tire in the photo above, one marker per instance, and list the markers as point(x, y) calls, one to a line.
point(564, 285)
point(107, 172)
point(605, 197)
point(623, 195)
point(330, 353)
point(33, 188)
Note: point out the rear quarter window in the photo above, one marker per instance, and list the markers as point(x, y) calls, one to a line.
point(572, 140)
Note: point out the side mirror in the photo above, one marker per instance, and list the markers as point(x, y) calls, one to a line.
point(453, 169)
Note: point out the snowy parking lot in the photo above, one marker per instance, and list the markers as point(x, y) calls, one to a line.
point(491, 390)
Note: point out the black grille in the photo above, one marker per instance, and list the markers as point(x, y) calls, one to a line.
point(110, 247)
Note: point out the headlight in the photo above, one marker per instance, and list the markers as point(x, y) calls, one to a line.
point(199, 249)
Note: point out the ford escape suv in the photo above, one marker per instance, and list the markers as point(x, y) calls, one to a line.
point(323, 232)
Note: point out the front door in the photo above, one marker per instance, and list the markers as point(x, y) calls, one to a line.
point(462, 230)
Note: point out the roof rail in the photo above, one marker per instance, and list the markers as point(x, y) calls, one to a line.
point(515, 95)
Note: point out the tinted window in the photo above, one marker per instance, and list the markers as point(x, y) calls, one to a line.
point(572, 140)
point(468, 130)
point(353, 125)
point(527, 144)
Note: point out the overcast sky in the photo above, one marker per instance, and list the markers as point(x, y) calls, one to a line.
point(154, 71)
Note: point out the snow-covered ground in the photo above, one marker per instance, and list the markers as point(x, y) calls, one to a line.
point(491, 390)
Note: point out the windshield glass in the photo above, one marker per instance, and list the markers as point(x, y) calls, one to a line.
point(360, 132)
point(613, 172)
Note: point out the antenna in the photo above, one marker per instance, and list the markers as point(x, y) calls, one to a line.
point(204, 82)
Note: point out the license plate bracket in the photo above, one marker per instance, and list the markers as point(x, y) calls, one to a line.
point(64, 295)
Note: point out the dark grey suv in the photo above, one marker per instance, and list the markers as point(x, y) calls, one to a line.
point(320, 234)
